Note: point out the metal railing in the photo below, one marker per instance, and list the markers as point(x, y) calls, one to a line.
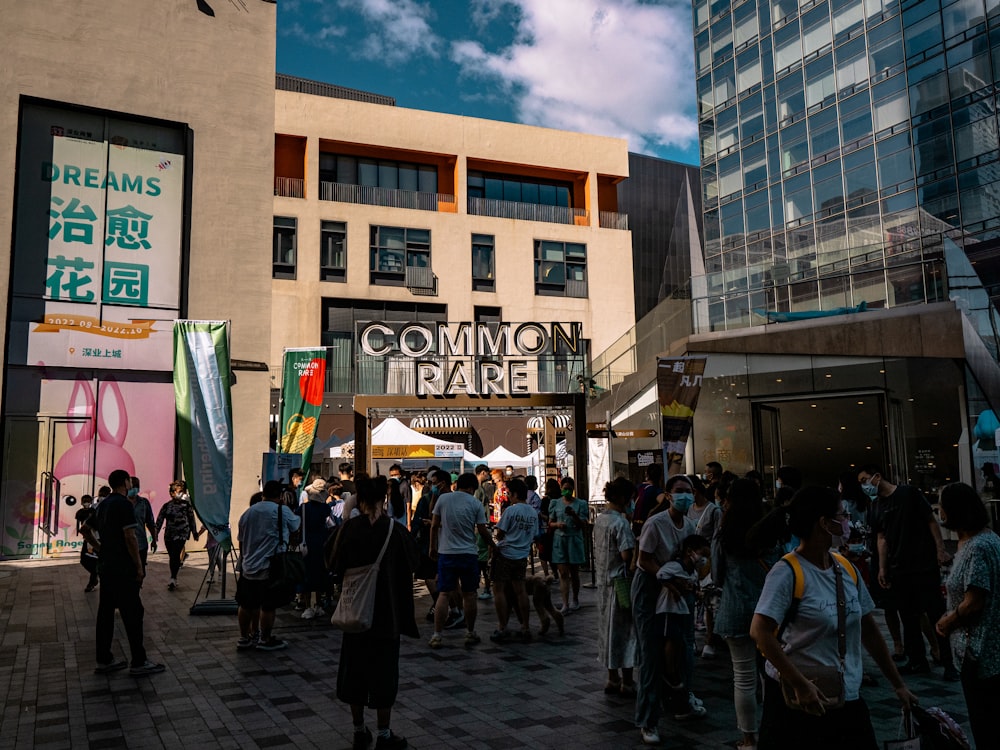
point(613, 220)
point(290, 187)
point(379, 196)
point(527, 211)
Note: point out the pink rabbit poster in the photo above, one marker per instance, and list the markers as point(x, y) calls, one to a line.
point(82, 431)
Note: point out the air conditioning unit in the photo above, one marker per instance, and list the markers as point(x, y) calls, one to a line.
point(419, 278)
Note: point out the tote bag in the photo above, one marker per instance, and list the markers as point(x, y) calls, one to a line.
point(357, 594)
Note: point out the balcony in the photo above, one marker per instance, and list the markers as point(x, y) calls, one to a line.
point(378, 196)
point(613, 220)
point(290, 187)
point(528, 211)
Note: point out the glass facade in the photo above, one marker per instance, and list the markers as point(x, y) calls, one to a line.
point(849, 154)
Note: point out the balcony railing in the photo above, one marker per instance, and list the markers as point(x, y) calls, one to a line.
point(528, 211)
point(613, 220)
point(290, 187)
point(379, 196)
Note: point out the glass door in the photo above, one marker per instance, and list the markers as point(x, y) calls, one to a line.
point(767, 428)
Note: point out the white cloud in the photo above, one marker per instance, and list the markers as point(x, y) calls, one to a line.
point(611, 67)
point(402, 29)
point(322, 36)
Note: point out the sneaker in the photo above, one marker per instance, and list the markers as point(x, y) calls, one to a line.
point(574, 606)
point(430, 615)
point(500, 636)
point(272, 644)
point(650, 736)
point(147, 668)
point(694, 700)
point(112, 666)
point(245, 643)
point(309, 613)
point(471, 638)
point(455, 620)
point(951, 674)
point(485, 594)
point(918, 668)
point(299, 604)
point(255, 637)
point(362, 739)
point(693, 711)
point(172, 585)
point(90, 588)
point(320, 611)
point(392, 742)
point(708, 652)
point(436, 641)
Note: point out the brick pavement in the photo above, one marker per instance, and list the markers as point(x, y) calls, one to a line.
point(546, 694)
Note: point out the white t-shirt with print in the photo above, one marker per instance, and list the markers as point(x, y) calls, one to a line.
point(810, 639)
point(519, 524)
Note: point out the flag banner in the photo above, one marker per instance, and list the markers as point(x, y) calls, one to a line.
point(303, 382)
point(678, 385)
point(205, 419)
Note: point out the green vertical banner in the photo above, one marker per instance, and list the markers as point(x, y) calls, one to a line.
point(302, 384)
point(678, 385)
point(205, 419)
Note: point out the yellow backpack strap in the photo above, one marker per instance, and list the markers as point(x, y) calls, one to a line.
point(798, 589)
point(846, 565)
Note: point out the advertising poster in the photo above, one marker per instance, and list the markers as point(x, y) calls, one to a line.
point(678, 385)
point(303, 382)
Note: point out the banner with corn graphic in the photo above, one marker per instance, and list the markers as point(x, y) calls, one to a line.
point(303, 381)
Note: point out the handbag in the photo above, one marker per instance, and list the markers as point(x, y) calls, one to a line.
point(912, 739)
point(623, 592)
point(828, 680)
point(356, 607)
point(286, 569)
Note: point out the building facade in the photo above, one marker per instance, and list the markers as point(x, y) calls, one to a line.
point(850, 169)
point(393, 216)
point(131, 195)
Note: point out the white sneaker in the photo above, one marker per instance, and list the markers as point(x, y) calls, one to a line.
point(309, 613)
point(650, 736)
point(708, 652)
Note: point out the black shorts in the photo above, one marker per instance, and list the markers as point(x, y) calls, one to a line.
point(259, 595)
point(503, 569)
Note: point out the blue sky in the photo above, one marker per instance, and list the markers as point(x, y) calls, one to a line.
point(623, 68)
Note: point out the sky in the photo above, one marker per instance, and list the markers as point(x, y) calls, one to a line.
point(622, 68)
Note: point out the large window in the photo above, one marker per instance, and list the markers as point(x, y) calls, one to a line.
point(519, 189)
point(333, 251)
point(399, 256)
point(483, 263)
point(384, 173)
point(560, 268)
point(283, 248)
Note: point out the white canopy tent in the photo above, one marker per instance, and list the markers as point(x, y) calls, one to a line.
point(500, 457)
point(391, 433)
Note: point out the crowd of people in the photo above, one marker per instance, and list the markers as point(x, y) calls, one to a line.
point(796, 579)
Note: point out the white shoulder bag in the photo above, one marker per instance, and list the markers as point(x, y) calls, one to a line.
point(356, 607)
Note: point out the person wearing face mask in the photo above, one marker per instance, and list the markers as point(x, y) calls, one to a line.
point(178, 515)
point(569, 516)
point(910, 551)
point(144, 521)
point(973, 617)
point(798, 634)
point(660, 540)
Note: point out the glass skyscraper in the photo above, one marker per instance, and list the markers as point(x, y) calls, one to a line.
point(849, 155)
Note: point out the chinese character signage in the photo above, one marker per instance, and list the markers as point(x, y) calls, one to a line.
point(678, 385)
point(113, 230)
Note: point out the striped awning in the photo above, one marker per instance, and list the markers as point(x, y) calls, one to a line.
point(442, 423)
point(537, 424)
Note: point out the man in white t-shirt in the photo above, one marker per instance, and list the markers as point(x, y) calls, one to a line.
point(516, 530)
point(457, 516)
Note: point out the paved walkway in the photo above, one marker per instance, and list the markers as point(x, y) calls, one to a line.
point(546, 694)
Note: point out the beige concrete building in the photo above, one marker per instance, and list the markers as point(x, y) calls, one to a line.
point(155, 120)
point(394, 215)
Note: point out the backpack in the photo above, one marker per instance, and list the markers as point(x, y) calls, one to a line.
point(799, 585)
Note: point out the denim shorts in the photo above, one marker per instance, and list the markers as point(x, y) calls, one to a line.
point(458, 569)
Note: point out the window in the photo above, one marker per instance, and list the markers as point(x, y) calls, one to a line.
point(396, 253)
point(787, 46)
point(283, 248)
point(519, 189)
point(816, 30)
point(560, 269)
point(483, 263)
point(333, 251)
point(745, 20)
point(385, 173)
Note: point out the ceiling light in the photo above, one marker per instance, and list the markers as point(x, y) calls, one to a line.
point(861, 403)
